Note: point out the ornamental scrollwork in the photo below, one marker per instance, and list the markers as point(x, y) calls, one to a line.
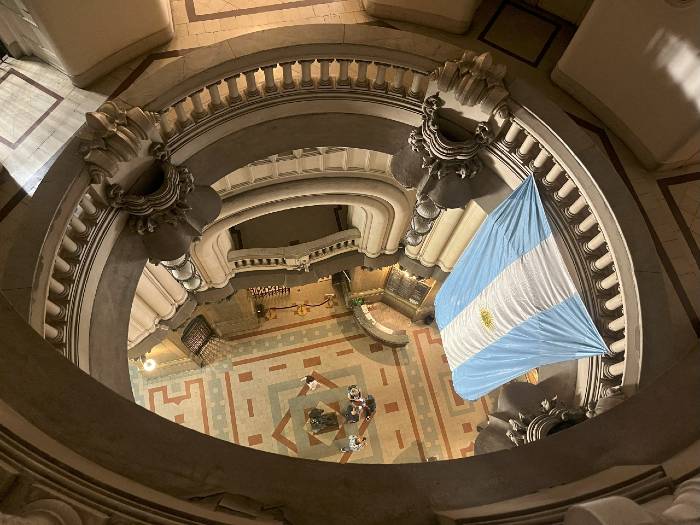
point(168, 204)
point(112, 135)
point(442, 156)
point(474, 80)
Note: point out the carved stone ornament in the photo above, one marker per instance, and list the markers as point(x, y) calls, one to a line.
point(168, 204)
point(442, 156)
point(112, 135)
point(527, 428)
point(474, 80)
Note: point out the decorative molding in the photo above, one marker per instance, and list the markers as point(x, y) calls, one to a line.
point(446, 163)
point(111, 136)
point(442, 156)
point(167, 204)
point(526, 428)
point(474, 80)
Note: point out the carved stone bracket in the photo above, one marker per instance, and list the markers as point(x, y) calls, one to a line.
point(442, 156)
point(112, 135)
point(168, 204)
point(475, 80)
point(527, 428)
point(446, 165)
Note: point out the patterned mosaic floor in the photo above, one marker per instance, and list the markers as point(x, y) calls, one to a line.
point(254, 396)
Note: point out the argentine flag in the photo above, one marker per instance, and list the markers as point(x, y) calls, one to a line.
point(509, 304)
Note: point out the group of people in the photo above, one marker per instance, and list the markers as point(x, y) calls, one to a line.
point(359, 406)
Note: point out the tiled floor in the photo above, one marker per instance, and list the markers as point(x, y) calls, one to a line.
point(253, 395)
point(668, 200)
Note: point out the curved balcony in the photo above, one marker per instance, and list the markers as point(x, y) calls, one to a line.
point(587, 205)
point(298, 257)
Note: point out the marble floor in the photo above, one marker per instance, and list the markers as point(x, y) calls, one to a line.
point(253, 395)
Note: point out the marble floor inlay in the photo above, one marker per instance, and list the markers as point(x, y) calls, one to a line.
point(253, 395)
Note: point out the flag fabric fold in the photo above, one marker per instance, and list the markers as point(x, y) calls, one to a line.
point(509, 304)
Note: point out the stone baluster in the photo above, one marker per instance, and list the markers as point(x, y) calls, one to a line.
point(565, 190)
point(525, 150)
point(397, 82)
point(306, 80)
point(362, 81)
point(88, 207)
point(167, 128)
point(576, 207)
point(270, 84)
point(287, 76)
point(251, 89)
point(586, 224)
point(199, 112)
point(617, 324)
point(602, 262)
point(183, 119)
point(537, 165)
point(380, 83)
point(69, 246)
point(78, 227)
point(613, 304)
point(325, 80)
point(512, 135)
point(416, 89)
point(553, 175)
point(618, 346)
point(607, 283)
point(234, 96)
point(62, 268)
point(53, 334)
point(54, 310)
point(343, 75)
point(612, 370)
point(595, 243)
point(57, 289)
point(216, 103)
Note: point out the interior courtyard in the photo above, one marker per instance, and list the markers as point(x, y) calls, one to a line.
point(228, 230)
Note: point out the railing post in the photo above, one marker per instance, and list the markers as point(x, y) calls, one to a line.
point(416, 89)
point(397, 82)
point(361, 81)
point(251, 89)
point(287, 76)
point(325, 80)
point(270, 85)
point(306, 80)
point(199, 111)
point(343, 75)
point(216, 103)
point(380, 83)
point(234, 95)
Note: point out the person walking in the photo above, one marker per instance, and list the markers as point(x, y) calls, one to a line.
point(355, 443)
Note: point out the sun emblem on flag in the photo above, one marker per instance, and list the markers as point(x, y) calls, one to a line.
point(487, 318)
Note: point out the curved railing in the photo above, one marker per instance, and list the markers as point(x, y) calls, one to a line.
point(297, 257)
point(34, 382)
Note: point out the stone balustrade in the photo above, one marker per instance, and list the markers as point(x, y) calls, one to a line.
point(70, 264)
point(298, 257)
point(587, 237)
point(238, 91)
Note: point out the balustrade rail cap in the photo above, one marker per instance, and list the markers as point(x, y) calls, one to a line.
point(204, 66)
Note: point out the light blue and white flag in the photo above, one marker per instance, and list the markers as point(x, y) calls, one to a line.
point(509, 304)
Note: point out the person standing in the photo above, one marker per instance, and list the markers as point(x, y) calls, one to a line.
point(355, 443)
point(310, 382)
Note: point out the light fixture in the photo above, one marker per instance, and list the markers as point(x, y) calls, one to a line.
point(149, 365)
point(412, 238)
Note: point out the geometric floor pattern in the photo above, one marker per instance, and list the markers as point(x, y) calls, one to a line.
point(254, 396)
